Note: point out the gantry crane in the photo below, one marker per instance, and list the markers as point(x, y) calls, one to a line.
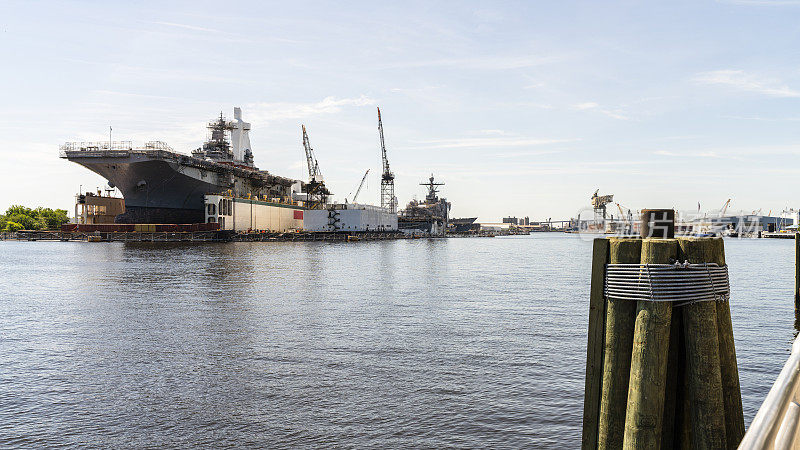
point(387, 178)
point(316, 192)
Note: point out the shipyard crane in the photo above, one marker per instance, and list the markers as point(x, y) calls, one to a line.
point(387, 178)
point(316, 192)
point(627, 218)
point(314, 174)
point(361, 185)
point(724, 208)
point(599, 203)
point(622, 213)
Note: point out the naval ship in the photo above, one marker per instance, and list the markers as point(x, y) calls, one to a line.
point(160, 185)
point(428, 217)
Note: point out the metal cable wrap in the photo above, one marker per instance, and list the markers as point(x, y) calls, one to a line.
point(679, 282)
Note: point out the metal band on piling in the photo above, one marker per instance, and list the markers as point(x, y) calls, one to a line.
point(680, 282)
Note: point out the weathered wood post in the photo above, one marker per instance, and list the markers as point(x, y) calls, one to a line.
point(674, 391)
point(620, 322)
point(594, 347)
point(729, 368)
point(658, 223)
point(796, 272)
point(650, 352)
point(648, 376)
point(705, 392)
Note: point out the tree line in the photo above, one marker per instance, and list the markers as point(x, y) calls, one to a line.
point(21, 218)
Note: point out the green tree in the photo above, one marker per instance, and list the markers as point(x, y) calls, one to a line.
point(26, 222)
point(34, 219)
point(50, 219)
point(19, 209)
point(12, 226)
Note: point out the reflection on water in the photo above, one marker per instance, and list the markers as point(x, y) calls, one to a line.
point(462, 342)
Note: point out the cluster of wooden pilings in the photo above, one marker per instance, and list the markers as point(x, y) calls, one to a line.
point(659, 375)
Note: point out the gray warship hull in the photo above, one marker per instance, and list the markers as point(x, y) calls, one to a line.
point(161, 186)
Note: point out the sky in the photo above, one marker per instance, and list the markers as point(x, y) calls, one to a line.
point(521, 108)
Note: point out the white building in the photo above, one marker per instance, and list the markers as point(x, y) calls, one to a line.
point(350, 217)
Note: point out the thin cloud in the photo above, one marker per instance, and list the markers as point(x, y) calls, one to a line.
point(133, 94)
point(488, 142)
point(187, 27)
point(481, 62)
point(587, 105)
point(704, 154)
point(592, 106)
point(533, 86)
point(525, 154)
point(262, 112)
point(762, 2)
point(746, 82)
point(766, 119)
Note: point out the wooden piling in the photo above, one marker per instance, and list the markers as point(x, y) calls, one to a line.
point(683, 410)
point(729, 369)
point(705, 393)
point(657, 223)
point(796, 272)
point(595, 345)
point(620, 321)
point(645, 411)
point(673, 390)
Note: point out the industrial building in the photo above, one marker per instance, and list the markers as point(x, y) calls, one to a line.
point(350, 217)
point(92, 209)
point(247, 214)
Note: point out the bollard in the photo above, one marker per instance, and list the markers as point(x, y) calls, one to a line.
point(648, 375)
point(620, 321)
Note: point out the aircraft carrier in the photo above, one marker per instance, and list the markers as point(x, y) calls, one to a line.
point(160, 185)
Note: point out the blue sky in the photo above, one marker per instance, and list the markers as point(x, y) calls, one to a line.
point(521, 108)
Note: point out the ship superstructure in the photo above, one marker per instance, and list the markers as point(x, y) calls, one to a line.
point(430, 216)
point(228, 142)
point(161, 185)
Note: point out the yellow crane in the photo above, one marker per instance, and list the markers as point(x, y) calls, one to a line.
point(627, 218)
point(622, 213)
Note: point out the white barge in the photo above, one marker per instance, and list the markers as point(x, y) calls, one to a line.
point(251, 214)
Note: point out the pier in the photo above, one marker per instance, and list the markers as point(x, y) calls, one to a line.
point(220, 236)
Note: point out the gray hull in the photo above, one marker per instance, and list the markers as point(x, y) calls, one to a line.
point(165, 187)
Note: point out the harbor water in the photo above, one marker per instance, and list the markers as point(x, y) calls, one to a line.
point(423, 343)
